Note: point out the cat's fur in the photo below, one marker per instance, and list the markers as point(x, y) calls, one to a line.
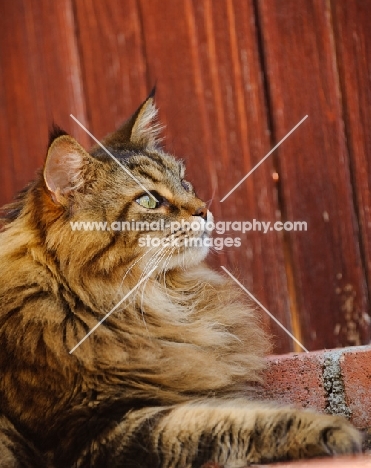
point(161, 382)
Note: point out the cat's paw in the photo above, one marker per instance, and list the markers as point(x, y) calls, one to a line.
point(340, 437)
point(329, 436)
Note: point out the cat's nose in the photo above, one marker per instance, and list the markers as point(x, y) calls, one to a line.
point(202, 211)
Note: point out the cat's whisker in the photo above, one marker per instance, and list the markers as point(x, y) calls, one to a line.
point(153, 260)
point(166, 259)
point(156, 259)
point(209, 202)
point(133, 264)
point(214, 250)
point(169, 257)
point(178, 253)
point(150, 263)
point(144, 271)
point(159, 256)
point(164, 266)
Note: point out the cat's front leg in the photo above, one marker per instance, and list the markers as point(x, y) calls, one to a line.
point(231, 433)
point(235, 433)
point(16, 451)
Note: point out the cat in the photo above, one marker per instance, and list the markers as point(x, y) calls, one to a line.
point(163, 381)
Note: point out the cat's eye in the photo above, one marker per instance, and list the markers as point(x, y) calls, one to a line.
point(186, 185)
point(147, 202)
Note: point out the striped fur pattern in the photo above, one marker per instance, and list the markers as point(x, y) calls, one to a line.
point(164, 380)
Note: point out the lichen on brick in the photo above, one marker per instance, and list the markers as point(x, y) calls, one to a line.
point(334, 386)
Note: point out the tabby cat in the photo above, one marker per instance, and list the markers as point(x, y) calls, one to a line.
point(163, 380)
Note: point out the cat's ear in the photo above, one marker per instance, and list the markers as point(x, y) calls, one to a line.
point(141, 129)
point(65, 165)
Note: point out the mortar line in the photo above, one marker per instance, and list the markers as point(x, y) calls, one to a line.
point(333, 384)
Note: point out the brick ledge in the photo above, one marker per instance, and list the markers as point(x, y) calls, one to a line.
point(334, 381)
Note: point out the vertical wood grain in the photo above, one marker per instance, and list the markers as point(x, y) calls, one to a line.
point(112, 60)
point(314, 164)
point(353, 39)
point(40, 83)
point(211, 62)
point(205, 58)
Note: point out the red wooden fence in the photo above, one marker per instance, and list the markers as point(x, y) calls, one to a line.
point(233, 77)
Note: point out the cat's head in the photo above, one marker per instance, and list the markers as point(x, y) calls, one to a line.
point(148, 212)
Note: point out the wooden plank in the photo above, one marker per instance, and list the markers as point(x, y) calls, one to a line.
point(353, 39)
point(7, 175)
point(314, 162)
point(40, 83)
point(113, 61)
point(204, 57)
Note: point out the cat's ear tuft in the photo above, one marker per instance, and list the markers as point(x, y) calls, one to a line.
point(146, 128)
point(54, 133)
point(141, 129)
point(64, 168)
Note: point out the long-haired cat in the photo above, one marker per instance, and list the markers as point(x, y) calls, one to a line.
point(163, 380)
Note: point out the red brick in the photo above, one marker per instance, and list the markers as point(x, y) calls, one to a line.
point(296, 379)
point(356, 372)
point(359, 461)
point(362, 461)
point(299, 379)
